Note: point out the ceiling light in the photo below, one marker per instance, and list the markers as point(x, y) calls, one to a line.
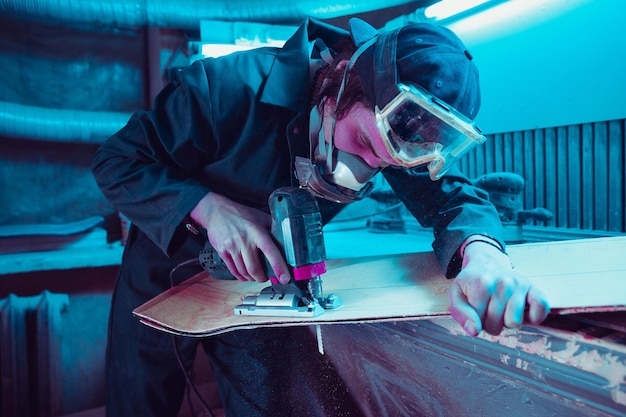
point(447, 8)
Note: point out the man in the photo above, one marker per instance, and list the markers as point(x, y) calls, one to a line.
point(335, 108)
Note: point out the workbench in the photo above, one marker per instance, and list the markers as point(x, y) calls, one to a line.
point(573, 365)
point(570, 366)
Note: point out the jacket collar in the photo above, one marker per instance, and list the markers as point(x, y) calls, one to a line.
point(289, 77)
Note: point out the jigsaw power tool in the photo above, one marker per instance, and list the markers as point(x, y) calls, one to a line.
point(297, 230)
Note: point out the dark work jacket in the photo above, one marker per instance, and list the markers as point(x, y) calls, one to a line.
point(233, 125)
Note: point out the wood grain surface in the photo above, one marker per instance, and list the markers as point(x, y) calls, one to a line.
point(577, 275)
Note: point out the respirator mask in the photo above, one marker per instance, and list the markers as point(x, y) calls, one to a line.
point(331, 173)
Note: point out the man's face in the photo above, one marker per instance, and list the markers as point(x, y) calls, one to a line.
point(356, 133)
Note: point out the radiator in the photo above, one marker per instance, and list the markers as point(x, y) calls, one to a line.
point(30, 355)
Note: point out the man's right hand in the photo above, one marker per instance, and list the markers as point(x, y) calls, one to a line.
point(239, 233)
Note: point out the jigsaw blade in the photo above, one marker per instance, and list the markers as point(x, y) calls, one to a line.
point(280, 301)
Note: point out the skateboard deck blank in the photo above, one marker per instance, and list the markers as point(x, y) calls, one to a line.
point(577, 275)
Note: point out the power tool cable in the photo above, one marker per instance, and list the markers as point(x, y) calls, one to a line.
point(190, 383)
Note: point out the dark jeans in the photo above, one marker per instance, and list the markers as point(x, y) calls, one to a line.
point(261, 372)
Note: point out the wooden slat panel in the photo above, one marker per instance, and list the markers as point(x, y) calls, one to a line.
point(577, 171)
point(616, 177)
point(573, 177)
point(550, 170)
point(562, 191)
point(499, 152)
point(540, 165)
point(529, 169)
point(600, 176)
point(587, 177)
point(507, 152)
point(518, 153)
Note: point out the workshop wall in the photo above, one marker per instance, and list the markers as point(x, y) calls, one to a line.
point(548, 63)
point(538, 70)
point(576, 172)
point(48, 179)
point(45, 179)
point(552, 105)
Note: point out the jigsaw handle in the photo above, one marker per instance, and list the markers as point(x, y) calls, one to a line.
point(213, 264)
point(297, 231)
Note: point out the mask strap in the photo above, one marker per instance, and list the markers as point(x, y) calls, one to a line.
point(325, 52)
point(346, 75)
point(324, 149)
point(315, 125)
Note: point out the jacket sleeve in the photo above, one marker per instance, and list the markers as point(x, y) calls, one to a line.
point(452, 206)
point(146, 169)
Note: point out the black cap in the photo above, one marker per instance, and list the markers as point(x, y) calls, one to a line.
point(422, 53)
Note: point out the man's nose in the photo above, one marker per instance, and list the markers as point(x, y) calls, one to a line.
point(373, 161)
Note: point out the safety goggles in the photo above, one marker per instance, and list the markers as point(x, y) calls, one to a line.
point(417, 128)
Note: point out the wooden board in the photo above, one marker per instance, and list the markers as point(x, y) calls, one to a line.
point(578, 275)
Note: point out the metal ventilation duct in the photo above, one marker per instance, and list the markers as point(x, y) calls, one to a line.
point(186, 14)
point(58, 125)
point(83, 126)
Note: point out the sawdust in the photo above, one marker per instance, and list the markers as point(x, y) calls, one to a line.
point(440, 290)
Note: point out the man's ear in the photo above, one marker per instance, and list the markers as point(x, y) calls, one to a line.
point(329, 107)
point(328, 115)
point(339, 68)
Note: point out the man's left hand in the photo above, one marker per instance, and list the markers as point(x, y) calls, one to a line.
point(489, 294)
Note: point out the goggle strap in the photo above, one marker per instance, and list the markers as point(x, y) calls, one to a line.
point(350, 65)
